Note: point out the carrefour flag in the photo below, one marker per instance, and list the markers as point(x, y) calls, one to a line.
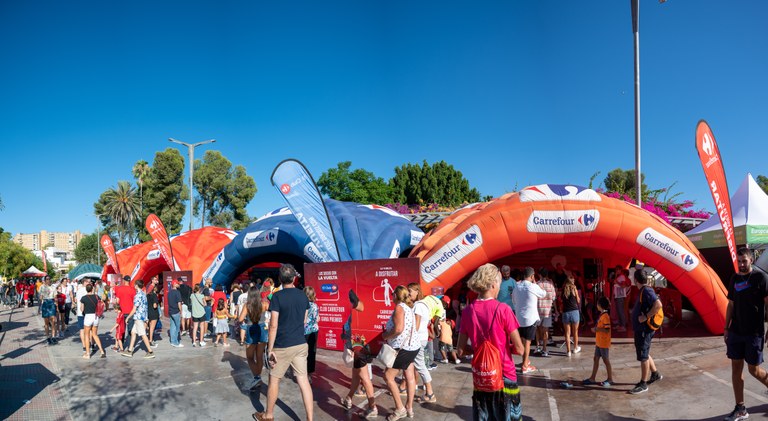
point(109, 250)
point(292, 179)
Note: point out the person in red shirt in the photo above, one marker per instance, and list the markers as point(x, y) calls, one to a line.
point(124, 294)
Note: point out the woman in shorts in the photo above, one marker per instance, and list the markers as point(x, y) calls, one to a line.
point(153, 313)
point(88, 304)
point(361, 361)
point(571, 304)
point(252, 310)
point(198, 316)
point(400, 334)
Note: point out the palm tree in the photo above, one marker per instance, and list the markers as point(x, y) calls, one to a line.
point(140, 171)
point(122, 208)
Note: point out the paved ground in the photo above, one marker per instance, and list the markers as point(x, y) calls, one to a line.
point(41, 382)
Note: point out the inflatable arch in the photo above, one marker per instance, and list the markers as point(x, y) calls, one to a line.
point(561, 216)
point(192, 250)
point(361, 232)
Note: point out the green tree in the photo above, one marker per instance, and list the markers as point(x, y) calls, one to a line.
point(122, 207)
point(140, 171)
point(14, 258)
point(87, 249)
point(165, 191)
point(356, 186)
point(624, 182)
point(222, 191)
point(762, 181)
point(438, 183)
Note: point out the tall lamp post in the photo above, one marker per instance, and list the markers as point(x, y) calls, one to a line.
point(191, 163)
point(635, 4)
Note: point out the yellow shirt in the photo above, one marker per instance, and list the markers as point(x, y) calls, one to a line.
point(446, 334)
point(603, 339)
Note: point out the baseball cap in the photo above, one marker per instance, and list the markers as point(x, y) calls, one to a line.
point(127, 278)
point(446, 299)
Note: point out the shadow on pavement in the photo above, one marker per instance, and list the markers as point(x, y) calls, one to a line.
point(20, 383)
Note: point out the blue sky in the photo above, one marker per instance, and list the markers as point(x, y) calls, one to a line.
point(510, 93)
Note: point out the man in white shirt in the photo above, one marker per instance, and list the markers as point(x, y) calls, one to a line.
point(526, 299)
point(620, 288)
point(81, 292)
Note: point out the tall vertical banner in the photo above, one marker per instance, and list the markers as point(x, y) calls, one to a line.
point(45, 261)
point(292, 179)
point(712, 163)
point(109, 250)
point(160, 237)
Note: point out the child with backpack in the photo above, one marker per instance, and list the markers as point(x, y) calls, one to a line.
point(602, 343)
point(492, 329)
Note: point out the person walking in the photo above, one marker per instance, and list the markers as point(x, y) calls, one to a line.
point(250, 313)
point(79, 294)
point(422, 314)
point(571, 305)
point(88, 305)
point(486, 319)
point(139, 316)
point(310, 330)
point(526, 298)
point(67, 288)
point(355, 344)
point(175, 306)
point(400, 333)
point(287, 346)
point(744, 330)
point(646, 307)
point(47, 296)
point(124, 295)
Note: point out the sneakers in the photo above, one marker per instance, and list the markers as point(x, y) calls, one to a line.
point(458, 361)
point(346, 402)
point(194, 344)
point(655, 376)
point(432, 367)
point(568, 354)
point(738, 413)
point(545, 354)
point(255, 383)
point(149, 355)
point(529, 369)
point(201, 344)
point(606, 383)
point(184, 333)
point(179, 345)
point(371, 413)
point(587, 382)
point(537, 351)
point(577, 350)
point(153, 344)
point(127, 353)
point(639, 388)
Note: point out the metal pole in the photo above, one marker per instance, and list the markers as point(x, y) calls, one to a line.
point(98, 241)
point(635, 4)
point(191, 162)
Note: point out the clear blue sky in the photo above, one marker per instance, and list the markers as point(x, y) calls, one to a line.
point(511, 93)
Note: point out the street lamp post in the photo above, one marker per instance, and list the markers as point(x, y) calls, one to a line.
point(191, 162)
point(635, 5)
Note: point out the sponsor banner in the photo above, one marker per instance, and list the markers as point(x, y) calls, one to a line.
point(109, 250)
point(395, 250)
point(297, 187)
point(153, 254)
point(716, 238)
point(712, 163)
point(160, 238)
point(668, 249)
point(136, 270)
point(312, 253)
point(45, 261)
point(261, 238)
point(215, 266)
point(450, 253)
point(563, 222)
point(373, 282)
point(558, 192)
point(416, 237)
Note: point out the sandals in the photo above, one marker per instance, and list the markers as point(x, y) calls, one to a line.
point(425, 398)
point(346, 402)
point(370, 413)
point(397, 415)
point(262, 416)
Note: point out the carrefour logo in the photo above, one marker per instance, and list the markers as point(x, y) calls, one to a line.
point(330, 288)
point(667, 248)
point(450, 253)
point(563, 222)
point(154, 254)
point(260, 238)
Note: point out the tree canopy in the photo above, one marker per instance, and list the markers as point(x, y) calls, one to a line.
point(222, 191)
point(359, 186)
point(87, 249)
point(438, 183)
point(165, 191)
point(762, 181)
point(624, 182)
point(15, 259)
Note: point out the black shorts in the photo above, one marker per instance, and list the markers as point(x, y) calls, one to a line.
point(362, 358)
point(405, 358)
point(643, 338)
point(745, 347)
point(198, 319)
point(528, 332)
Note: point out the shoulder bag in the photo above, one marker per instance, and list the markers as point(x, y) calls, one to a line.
point(387, 354)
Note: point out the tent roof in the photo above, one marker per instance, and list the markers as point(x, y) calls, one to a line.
point(85, 270)
point(749, 206)
point(33, 271)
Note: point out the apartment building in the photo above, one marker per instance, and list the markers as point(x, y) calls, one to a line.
point(66, 241)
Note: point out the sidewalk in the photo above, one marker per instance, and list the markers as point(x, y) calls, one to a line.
point(29, 377)
point(206, 383)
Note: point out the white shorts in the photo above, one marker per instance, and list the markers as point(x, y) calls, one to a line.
point(185, 313)
point(139, 328)
point(90, 320)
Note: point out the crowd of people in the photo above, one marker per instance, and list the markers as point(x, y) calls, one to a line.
point(516, 310)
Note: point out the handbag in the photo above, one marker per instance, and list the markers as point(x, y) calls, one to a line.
point(348, 357)
point(387, 354)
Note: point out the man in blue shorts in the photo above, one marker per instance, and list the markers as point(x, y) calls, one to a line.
point(744, 331)
point(645, 308)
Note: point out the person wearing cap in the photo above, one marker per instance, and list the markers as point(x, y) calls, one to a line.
point(124, 295)
point(174, 313)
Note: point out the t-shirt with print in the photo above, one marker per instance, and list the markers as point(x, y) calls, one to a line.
point(140, 303)
point(291, 305)
point(748, 293)
point(476, 324)
point(603, 339)
point(312, 315)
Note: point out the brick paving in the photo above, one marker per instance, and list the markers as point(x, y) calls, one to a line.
point(29, 377)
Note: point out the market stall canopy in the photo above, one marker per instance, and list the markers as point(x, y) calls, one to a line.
point(86, 270)
point(750, 219)
point(33, 271)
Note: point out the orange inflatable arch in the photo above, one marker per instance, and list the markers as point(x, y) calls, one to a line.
point(564, 216)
